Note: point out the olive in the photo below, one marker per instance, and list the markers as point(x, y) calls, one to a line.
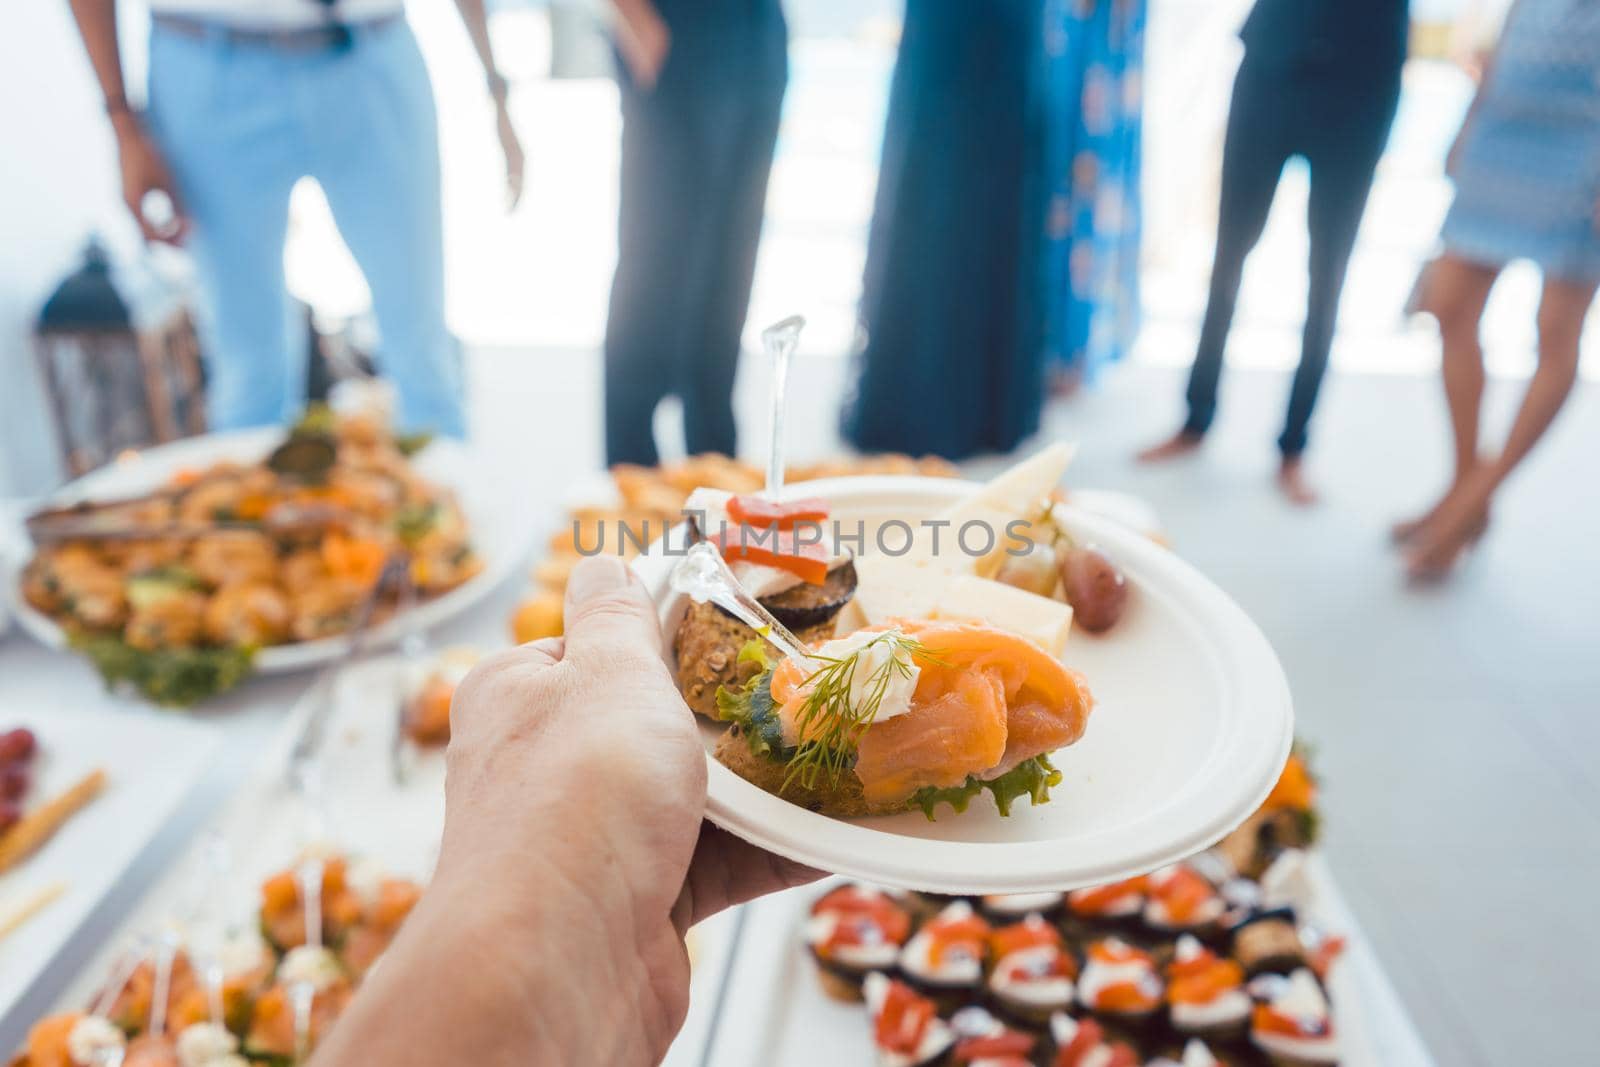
point(1094, 586)
point(17, 745)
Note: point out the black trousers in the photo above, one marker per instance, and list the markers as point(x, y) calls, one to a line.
point(1340, 129)
point(696, 154)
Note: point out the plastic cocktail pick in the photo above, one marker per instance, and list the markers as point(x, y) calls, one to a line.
point(779, 340)
point(703, 576)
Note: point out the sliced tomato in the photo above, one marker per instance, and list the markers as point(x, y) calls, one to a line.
point(782, 514)
point(776, 548)
point(1267, 1021)
point(1007, 1043)
point(859, 909)
point(1122, 1055)
point(904, 1017)
point(1085, 1041)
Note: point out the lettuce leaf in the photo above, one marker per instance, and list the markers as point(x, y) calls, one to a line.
point(175, 677)
point(750, 706)
point(1031, 778)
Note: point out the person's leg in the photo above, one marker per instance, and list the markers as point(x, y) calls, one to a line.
point(1455, 293)
point(368, 115)
point(1342, 170)
point(225, 134)
point(1253, 156)
point(736, 173)
point(644, 325)
point(1562, 309)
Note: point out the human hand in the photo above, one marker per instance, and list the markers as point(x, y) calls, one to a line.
point(574, 858)
point(511, 148)
point(644, 41)
point(144, 171)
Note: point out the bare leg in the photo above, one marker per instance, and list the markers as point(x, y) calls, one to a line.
point(1562, 310)
point(1456, 294)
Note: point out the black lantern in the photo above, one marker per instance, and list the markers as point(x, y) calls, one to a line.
point(115, 382)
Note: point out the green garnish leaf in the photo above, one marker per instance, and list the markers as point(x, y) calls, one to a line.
point(829, 723)
point(415, 521)
point(750, 707)
point(1031, 778)
point(175, 677)
point(755, 652)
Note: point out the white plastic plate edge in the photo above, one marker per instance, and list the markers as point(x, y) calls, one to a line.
point(499, 536)
point(1258, 728)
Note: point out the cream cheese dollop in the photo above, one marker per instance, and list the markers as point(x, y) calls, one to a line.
point(92, 1035)
point(1032, 986)
point(957, 967)
point(241, 953)
point(1100, 974)
point(1301, 998)
point(208, 1045)
point(875, 951)
point(309, 965)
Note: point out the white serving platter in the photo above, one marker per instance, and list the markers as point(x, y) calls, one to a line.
point(499, 532)
point(151, 761)
point(1193, 722)
point(776, 1014)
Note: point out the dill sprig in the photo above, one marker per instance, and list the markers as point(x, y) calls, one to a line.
point(828, 724)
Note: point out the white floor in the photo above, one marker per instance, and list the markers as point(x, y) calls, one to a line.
point(1454, 727)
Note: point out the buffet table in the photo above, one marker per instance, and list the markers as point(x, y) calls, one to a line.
point(173, 775)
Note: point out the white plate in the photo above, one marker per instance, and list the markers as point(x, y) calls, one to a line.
point(498, 534)
point(1192, 724)
point(151, 761)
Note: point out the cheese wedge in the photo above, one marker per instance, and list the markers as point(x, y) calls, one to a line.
point(1039, 619)
point(902, 588)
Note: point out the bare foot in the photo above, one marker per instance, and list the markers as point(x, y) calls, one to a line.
point(1179, 444)
point(1402, 532)
point(1292, 482)
point(1456, 524)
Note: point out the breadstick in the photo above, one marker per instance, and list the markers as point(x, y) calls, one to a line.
point(13, 913)
point(40, 824)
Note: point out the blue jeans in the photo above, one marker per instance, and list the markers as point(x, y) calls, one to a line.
point(239, 126)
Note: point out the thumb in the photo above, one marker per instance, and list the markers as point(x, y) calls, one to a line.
point(608, 614)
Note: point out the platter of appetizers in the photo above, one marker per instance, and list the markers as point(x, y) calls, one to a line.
point(1242, 956)
point(887, 688)
point(227, 928)
point(182, 570)
point(86, 790)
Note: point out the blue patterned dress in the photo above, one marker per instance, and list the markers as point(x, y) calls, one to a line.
point(1528, 173)
point(1094, 54)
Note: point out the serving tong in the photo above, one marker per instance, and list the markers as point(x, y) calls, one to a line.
point(303, 457)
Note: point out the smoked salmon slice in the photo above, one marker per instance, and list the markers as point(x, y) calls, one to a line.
point(985, 701)
point(956, 727)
